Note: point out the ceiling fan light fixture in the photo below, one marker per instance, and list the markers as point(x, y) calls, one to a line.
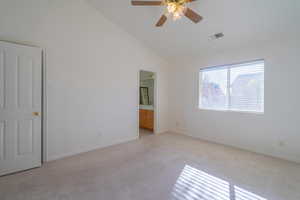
point(176, 16)
point(173, 8)
point(176, 8)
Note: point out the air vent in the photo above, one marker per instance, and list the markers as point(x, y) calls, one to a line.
point(217, 36)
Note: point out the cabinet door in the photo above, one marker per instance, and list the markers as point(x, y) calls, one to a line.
point(143, 119)
point(146, 119)
point(149, 120)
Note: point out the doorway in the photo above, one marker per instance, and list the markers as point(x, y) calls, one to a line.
point(147, 103)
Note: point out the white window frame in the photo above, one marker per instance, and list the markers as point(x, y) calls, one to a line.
point(228, 66)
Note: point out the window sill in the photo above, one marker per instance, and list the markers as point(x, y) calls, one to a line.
point(232, 111)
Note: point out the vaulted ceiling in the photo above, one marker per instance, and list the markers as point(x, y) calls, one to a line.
point(243, 22)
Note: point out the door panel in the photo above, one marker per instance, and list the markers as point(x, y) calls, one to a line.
point(20, 98)
point(25, 137)
point(25, 82)
point(10, 79)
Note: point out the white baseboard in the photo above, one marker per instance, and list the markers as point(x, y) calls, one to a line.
point(284, 157)
point(161, 131)
point(60, 156)
point(179, 131)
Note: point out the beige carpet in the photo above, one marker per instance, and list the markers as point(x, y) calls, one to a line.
point(145, 132)
point(166, 166)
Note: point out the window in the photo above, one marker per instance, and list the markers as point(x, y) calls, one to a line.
point(238, 87)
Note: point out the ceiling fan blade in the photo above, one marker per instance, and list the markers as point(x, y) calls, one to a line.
point(161, 21)
point(146, 3)
point(189, 13)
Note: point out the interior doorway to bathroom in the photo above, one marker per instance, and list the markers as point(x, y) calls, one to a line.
point(147, 97)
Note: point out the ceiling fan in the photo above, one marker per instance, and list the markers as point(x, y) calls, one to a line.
point(175, 8)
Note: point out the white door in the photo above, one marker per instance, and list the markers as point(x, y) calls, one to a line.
point(20, 107)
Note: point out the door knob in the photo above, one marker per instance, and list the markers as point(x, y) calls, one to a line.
point(36, 113)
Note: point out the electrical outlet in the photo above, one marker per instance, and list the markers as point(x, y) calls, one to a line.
point(281, 143)
point(100, 134)
point(177, 124)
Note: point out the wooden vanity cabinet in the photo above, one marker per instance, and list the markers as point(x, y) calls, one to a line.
point(147, 119)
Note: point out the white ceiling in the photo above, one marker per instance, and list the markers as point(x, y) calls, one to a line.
point(242, 21)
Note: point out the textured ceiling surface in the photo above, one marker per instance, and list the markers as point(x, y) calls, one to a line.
point(242, 22)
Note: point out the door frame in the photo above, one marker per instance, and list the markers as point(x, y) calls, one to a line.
point(44, 108)
point(155, 103)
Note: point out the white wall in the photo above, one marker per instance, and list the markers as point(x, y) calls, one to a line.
point(92, 72)
point(276, 132)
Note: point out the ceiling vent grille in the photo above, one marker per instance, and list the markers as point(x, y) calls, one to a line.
point(217, 36)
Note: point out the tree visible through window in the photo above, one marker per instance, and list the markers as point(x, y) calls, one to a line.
point(237, 87)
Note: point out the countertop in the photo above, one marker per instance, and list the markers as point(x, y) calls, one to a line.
point(146, 107)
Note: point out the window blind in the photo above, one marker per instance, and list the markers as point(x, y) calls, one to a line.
point(237, 87)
